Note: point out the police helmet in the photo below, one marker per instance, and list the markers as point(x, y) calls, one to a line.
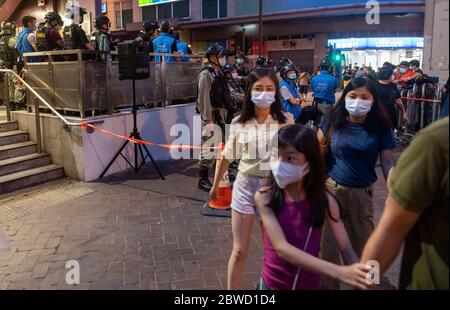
point(9, 28)
point(165, 26)
point(150, 25)
point(216, 50)
point(287, 69)
point(101, 20)
point(415, 63)
point(228, 68)
point(261, 61)
point(51, 16)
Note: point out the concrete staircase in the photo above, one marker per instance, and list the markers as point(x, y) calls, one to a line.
point(20, 164)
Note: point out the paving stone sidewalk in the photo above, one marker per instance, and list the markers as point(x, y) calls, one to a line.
point(131, 232)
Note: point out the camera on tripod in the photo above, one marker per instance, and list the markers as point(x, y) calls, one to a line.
point(134, 60)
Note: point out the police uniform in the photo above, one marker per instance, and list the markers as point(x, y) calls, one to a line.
point(102, 42)
point(9, 57)
point(145, 37)
point(44, 39)
point(74, 37)
point(214, 101)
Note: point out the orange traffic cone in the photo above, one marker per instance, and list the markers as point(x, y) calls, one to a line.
point(221, 206)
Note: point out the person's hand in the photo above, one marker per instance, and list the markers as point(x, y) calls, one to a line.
point(296, 101)
point(355, 275)
point(406, 119)
point(214, 193)
point(264, 196)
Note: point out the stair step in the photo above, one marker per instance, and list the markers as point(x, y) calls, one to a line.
point(22, 163)
point(17, 150)
point(27, 178)
point(8, 126)
point(12, 137)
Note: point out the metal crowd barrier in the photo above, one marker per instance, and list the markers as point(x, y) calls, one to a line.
point(420, 113)
point(73, 80)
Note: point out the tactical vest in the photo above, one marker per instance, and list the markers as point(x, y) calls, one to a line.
point(70, 40)
point(220, 92)
point(8, 54)
point(42, 43)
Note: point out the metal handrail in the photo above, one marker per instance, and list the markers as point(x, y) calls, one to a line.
point(66, 122)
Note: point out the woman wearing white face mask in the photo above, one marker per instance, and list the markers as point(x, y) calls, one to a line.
point(293, 211)
point(355, 135)
point(250, 133)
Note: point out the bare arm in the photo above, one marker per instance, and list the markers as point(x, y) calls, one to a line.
point(384, 244)
point(321, 137)
point(89, 47)
point(32, 40)
point(387, 162)
point(401, 107)
point(337, 227)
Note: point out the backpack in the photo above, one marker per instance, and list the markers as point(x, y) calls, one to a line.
point(70, 39)
point(8, 54)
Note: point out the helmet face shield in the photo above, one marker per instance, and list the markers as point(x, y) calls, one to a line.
point(76, 13)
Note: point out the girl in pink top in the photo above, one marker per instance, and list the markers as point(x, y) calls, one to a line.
point(294, 210)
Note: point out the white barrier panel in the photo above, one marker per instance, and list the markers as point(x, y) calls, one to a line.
point(154, 125)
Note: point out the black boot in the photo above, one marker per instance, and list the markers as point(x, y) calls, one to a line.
point(204, 184)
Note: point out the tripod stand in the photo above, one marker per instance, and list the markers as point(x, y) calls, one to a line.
point(138, 148)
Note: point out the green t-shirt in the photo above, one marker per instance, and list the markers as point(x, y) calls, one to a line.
point(420, 184)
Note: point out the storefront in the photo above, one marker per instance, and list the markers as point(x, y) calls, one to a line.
point(376, 51)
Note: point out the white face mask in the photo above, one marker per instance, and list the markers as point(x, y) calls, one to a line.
point(234, 75)
point(263, 100)
point(222, 61)
point(358, 107)
point(286, 174)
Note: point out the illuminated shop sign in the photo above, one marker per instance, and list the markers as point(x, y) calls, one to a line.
point(152, 2)
point(377, 43)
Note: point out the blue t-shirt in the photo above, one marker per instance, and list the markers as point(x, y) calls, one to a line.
point(324, 86)
point(354, 153)
point(295, 110)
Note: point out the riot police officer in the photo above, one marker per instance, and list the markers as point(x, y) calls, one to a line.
point(236, 91)
point(165, 43)
point(148, 35)
point(47, 33)
point(242, 70)
point(74, 36)
point(9, 59)
point(214, 100)
point(101, 37)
